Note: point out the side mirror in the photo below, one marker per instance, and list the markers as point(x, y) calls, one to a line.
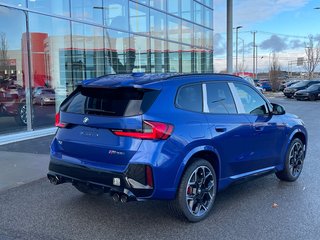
point(277, 109)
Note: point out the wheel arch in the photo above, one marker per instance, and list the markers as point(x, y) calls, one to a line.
point(208, 153)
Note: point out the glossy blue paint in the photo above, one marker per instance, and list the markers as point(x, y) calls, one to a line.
point(244, 144)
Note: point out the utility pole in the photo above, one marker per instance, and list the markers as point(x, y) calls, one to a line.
point(229, 36)
point(254, 54)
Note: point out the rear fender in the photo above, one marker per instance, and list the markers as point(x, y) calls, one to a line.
point(188, 157)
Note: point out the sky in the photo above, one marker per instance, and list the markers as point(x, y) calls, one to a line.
point(282, 26)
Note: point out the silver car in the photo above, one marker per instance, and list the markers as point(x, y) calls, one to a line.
point(44, 96)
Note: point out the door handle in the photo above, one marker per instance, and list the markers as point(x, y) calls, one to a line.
point(221, 129)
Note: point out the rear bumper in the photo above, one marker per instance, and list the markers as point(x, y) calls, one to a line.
point(73, 173)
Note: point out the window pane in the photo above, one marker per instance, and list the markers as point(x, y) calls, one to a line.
point(158, 56)
point(157, 24)
point(59, 7)
point(186, 9)
point(174, 32)
point(174, 7)
point(139, 18)
point(208, 38)
point(208, 17)
point(121, 56)
point(160, 4)
point(88, 52)
point(145, 2)
point(187, 32)
point(116, 14)
point(87, 10)
point(209, 61)
point(13, 71)
point(252, 102)
point(18, 3)
point(198, 36)
point(190, 98)
point(51, 65)
point(141, 47)
point(186, 55)
point(219, 99)
point(198, 13)
point(173, 57)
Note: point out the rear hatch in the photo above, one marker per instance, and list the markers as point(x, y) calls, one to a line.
point(89, 118)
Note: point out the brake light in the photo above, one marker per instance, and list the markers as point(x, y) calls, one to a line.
point(151, 130)
point(58, 123)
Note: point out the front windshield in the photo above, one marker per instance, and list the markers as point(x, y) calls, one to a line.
point(300, 84)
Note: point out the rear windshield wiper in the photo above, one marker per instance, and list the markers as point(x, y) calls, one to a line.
point(98, 110)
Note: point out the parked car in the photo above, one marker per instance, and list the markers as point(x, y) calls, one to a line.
point(290, 91)
point(266, 85)
point(253, 83)
point(288, 84)
point(13, 102)
point(311, 93)
point(44, 96)
point(173, 137)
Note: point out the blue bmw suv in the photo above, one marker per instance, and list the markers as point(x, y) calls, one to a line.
point(177, 137)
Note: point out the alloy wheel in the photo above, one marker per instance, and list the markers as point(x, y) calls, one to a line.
point(200, 191)
point(296, 157)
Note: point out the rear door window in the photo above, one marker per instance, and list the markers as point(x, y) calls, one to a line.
point(190, 98)
point(110, 102)
point(219, 99)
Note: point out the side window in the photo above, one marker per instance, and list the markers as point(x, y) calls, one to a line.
point(190, 98)
point(252, 102)
point(219, 99)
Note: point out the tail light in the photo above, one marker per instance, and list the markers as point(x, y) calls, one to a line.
point(150, 130)
point(58, 123)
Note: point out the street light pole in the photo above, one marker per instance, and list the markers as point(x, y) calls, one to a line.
point(229, 35)
point(242, 55)
point(237, 29)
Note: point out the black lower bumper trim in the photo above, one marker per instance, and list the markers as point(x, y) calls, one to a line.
point(70, 172)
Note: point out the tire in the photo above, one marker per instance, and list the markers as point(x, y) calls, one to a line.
point(312, 97)
point(87, 189)
point(294, 162)
point(196, 193)
point(21, 118)
point(42, 102)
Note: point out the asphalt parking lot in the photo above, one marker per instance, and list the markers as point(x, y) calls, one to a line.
point(264, 208)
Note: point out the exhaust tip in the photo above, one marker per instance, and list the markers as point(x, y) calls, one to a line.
point(116, 197)
point(124, 198)
point(55, 180)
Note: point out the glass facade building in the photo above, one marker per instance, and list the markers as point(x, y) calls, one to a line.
point(48, 46)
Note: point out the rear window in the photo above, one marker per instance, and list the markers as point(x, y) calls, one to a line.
point(110, 102)
point(190, 98)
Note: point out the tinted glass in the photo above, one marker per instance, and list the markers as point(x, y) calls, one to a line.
point(190, 98)
point(139, 18)
point(157, 24)
point(87, 10)
point(219, 99)
point(252, 102)
point(115, 14)
point(110, 102)
point(59, 7)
